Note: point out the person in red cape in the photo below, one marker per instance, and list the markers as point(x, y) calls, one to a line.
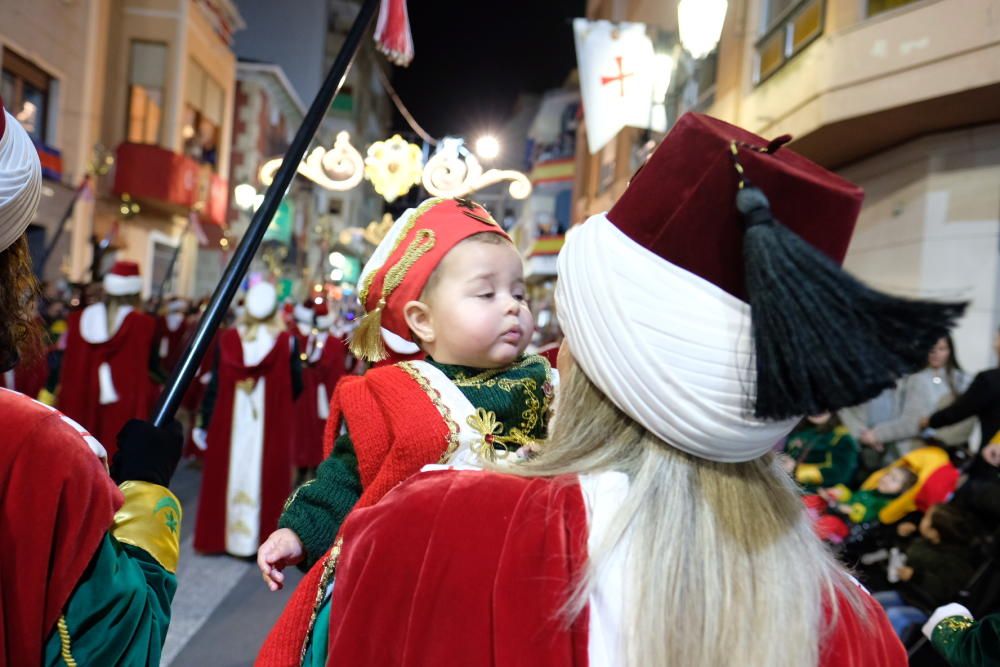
point(86, 559)
point(324, 360)
point(105, 377)
point(247, 413)
point(655, 526)
point(171, 331)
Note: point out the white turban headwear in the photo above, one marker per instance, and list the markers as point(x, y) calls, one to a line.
point(20, 181)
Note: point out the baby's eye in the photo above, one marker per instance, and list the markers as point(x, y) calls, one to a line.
point(519, 297)
point(485, 295)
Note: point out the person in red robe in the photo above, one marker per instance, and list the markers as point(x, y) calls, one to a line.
point(171, 332)
point(247, 415)
point(324, 359)
point(655, 526)
point(105, 378)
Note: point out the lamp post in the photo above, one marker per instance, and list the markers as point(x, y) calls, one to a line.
point(700, 25)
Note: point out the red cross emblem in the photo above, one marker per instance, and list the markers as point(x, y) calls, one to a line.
point(622, 75)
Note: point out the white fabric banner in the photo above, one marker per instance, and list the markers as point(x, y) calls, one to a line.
point(617, 77)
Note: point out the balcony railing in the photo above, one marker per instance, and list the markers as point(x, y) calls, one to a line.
point(170, 181)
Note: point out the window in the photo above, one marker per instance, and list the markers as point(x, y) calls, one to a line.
point(693, 87)
point(879, 6)
point(146, 76)
point(788, 27)
point(204, 108)
point(25, 90)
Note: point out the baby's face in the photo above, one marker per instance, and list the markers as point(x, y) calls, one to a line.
point(891, 483)
point(478, 309)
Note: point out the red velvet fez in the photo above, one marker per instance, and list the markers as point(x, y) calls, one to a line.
point(682, 204)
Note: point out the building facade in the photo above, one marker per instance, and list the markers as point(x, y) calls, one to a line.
point(900, 96)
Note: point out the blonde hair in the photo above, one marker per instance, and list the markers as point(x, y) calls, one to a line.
point(723, 563)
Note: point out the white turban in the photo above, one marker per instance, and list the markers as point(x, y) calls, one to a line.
point(20, 181)
point(670, 349)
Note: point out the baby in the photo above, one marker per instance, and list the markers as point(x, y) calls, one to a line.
point(447, 283)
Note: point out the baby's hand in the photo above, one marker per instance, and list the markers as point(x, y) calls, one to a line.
point(281, 549)
point(906, 529)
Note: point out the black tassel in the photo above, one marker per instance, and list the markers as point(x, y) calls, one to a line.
point(823, 339)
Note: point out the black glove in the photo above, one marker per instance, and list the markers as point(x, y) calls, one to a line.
point(147, 453)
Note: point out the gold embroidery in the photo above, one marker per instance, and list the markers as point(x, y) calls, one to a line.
point(329, 567)
point(481, 378)
point(295, 494)
point(239, 528)
point(247, 386)
point(444, 410)
point(421, 244)
point(243, 498)
point(486, 424)
point(64, 643)
point(370, 278)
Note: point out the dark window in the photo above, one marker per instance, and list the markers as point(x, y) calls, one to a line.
point(879, 6)
point(25, 90)
point(203, 111)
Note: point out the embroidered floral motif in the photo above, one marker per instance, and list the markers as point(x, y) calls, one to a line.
point(486, 424)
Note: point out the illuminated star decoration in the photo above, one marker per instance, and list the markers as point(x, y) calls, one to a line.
point(393, 166)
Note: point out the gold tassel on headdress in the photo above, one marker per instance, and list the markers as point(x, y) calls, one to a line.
point(366, 343)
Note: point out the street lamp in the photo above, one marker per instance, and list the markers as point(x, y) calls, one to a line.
point(700, 25)
point(244, 193)
point(487, 147)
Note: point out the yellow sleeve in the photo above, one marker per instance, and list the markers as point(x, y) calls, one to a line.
point(151, 520)
point(808, 473)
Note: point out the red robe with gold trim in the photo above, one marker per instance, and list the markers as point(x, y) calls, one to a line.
point(321, 368)
point(127, 353)
point(170, 342)
point(275, 470)
point(473, 568)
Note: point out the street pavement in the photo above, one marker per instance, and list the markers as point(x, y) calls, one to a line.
point(222, 610)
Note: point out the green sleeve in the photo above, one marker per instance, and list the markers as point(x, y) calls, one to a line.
point(318, 507)
point(967, 644)
point(118, 613)
point(865, 505)
point(843, 459)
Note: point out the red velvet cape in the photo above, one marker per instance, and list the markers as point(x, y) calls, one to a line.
point(307, 445)
point(488, 562)
point(175, 343)
point(57, 502)
point(210, 529)
point(486, 565)
point(396, 430)
point(127, 352)
point(196, 392)
point(30, 376)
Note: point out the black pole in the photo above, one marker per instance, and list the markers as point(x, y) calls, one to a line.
point(184, 372)
point(62, 226)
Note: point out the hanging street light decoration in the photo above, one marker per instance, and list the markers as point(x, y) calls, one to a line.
point(341, 168)
point(393, 166)
point(128, 207)
point(700, 25)
point(455, 172)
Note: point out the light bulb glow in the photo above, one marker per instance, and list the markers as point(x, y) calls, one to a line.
point(700, 25)
point(487, 147)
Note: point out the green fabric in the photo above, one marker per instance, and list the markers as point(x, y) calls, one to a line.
point(319, 643)
point(865, 505)
point(119, 611)
point(966, 644)
point(515, 394)
point(317, 508)
point(833, 452)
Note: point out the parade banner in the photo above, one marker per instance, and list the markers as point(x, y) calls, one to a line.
point(617, 79)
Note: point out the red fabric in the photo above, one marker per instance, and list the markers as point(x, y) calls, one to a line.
point(125, 269)
point(176, 341)
point(30, 377)
point(466, 589)
point(937, 488)
point(195, 393)
point(210, 529)
point(448, 223)
point(57, 502)
point(698, 228)
point(127, 352)
point(395, 430)
point(307, 447)
point(469, 590)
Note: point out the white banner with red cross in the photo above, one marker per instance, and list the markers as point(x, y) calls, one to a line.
point(616, 79)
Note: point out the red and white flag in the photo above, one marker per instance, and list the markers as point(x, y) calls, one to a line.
point(617, 79)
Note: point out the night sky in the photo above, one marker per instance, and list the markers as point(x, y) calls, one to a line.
point(473, 58)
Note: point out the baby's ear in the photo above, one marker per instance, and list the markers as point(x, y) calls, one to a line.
point(418, 317)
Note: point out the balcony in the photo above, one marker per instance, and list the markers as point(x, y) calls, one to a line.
point(873, 82)
point(170, 182)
